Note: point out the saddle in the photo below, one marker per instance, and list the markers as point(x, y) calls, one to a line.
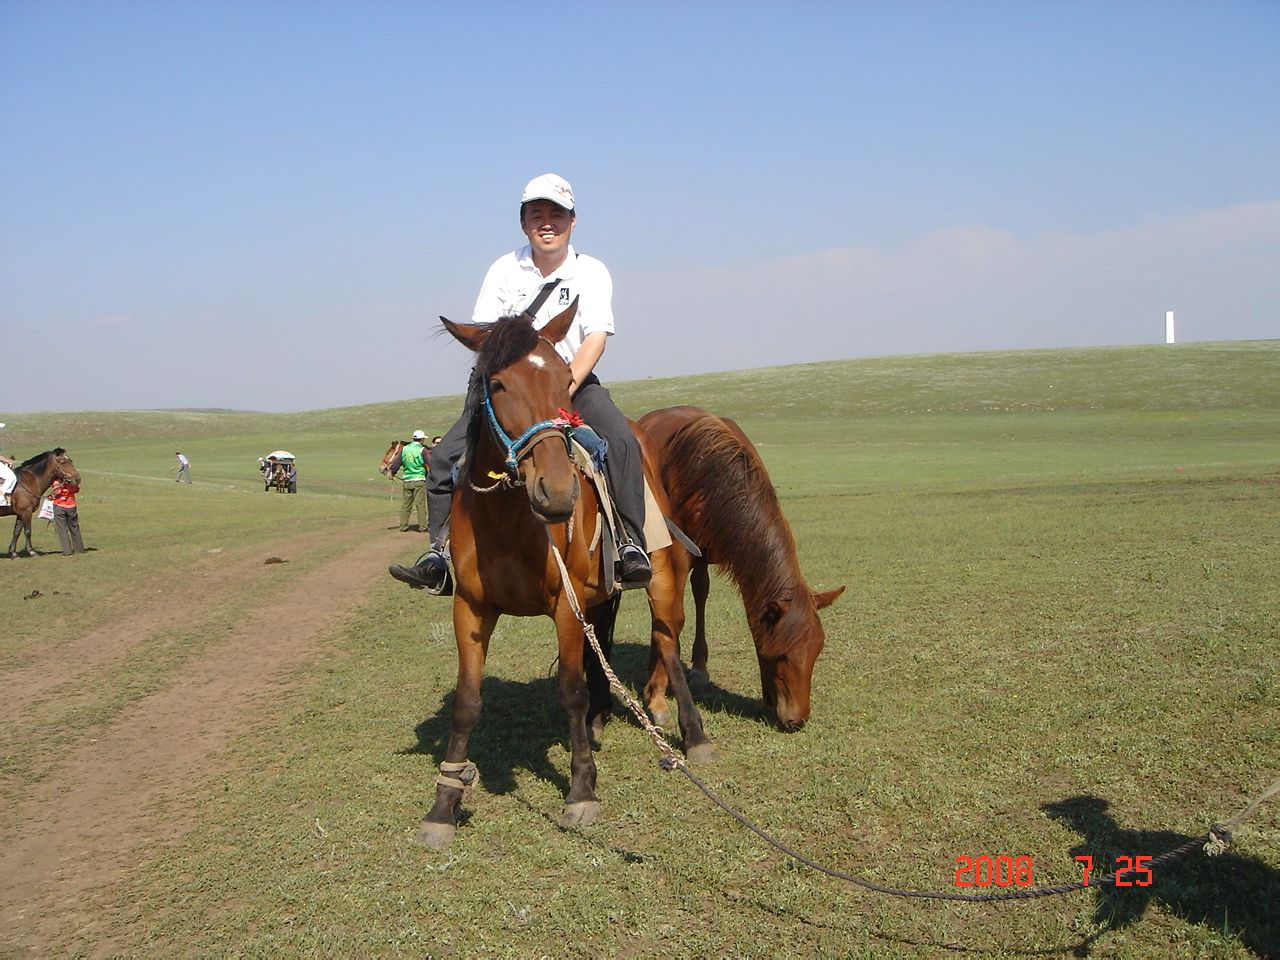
point(585, 448)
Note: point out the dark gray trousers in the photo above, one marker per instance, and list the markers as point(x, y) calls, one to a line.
point(624, 466)
point(66, 520)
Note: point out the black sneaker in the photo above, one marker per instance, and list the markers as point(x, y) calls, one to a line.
point(634, 567)
point(430, 573)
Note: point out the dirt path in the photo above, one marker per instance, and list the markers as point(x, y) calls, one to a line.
point(78, 829)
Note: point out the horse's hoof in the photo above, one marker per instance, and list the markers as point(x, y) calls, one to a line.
point(579, 814)
point(704, 752)
point(661, 717)
point(436, 836)
point(699, 679)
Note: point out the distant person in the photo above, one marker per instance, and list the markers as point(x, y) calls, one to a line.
point(540, 280)
point(427, 451)
point(8, 479)
point(413, 482)
point(184, 469)
point(66, 518)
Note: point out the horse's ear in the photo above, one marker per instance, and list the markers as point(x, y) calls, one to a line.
point(821, 600)
point(772, 613)
point(470, 335)
point(557, 328)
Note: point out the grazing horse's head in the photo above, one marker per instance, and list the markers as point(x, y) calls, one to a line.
point(520, 389)
point(789, 636)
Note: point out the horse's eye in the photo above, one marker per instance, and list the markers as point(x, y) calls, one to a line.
point(495, 386)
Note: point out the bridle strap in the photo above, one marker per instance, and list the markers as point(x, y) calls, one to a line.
point(523, 445)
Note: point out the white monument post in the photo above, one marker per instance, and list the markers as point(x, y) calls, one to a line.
point(1168, 326)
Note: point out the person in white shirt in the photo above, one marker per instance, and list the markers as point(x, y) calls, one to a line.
point(8, 479)
point(541, 279)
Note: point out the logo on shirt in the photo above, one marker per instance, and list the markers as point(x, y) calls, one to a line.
point(564, 296)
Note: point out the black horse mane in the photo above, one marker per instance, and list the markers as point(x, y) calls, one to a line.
point(40, 458)
point(507, 341)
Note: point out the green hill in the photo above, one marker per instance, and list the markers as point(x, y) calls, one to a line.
point(1059, 638)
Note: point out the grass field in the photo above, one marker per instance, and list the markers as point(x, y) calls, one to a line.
point(1060, 637)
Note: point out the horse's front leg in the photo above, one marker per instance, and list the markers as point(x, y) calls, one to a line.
point(472, 628)
point(581, 806)
point(666, 605)
point(26, 525)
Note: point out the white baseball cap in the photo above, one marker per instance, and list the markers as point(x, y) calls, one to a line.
point(549, 186)
point(419, 435)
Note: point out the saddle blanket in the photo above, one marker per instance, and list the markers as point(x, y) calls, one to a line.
point(656, 534)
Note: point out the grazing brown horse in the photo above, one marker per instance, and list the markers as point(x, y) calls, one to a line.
point(723, 499)
point(515, 499)
point(35, 476)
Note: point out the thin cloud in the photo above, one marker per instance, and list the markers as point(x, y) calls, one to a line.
point(964, 288)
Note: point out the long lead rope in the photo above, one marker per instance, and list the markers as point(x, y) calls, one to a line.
point(1214, 842)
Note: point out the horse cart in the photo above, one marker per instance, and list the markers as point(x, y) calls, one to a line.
point(279, 472)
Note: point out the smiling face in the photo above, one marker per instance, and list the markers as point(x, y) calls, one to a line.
point(548, 227)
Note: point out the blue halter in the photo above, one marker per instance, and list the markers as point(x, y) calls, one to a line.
point(523, 445)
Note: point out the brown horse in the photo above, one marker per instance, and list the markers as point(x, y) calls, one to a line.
point(283, 477)
point(723, 498)
point(391, 459)
point(514, 501)
point(35, 476)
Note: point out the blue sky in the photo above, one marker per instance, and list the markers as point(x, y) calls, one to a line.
point(195, 196)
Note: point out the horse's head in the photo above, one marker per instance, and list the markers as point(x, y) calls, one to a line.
point(521, 388)
point(63, 468)
point(789, 637)
point(389, 458)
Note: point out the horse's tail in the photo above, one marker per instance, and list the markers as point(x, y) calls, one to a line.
point(721, 495)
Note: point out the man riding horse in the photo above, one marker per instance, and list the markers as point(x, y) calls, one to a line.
point(8, 479)
point(538, 281)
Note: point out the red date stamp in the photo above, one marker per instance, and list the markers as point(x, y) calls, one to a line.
point(1142, 875)
point(1020, 871)
point(994, 871)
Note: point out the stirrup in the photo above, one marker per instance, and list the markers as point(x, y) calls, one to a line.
point(640, 565)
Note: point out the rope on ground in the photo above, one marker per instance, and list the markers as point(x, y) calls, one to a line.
point(1214, 842)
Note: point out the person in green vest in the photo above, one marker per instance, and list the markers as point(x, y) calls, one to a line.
point(413, 477)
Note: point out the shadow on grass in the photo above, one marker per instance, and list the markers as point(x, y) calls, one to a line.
point(521, 720)
point(631, 663)
point(519, 723)
point(1230, 893)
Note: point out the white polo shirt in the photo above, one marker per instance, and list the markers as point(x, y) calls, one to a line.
point(513, 283)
